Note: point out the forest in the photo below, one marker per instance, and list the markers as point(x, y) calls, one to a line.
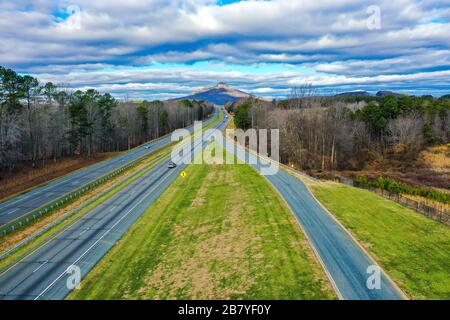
point(330, 134)
point(41, 122)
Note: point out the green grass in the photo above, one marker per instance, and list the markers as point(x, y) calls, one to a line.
point(220, 233)
point(413, 249)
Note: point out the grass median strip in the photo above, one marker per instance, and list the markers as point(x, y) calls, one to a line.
point(413, 249)
point(220, 233)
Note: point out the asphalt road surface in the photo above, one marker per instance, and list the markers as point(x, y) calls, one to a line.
point(347, 264)
point(22, 204)
point(43, 274)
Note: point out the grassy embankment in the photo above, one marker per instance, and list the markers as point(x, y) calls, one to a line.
point(220, 233)
point(413, 249)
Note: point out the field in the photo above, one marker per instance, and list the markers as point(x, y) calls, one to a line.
point(413, 249)
point(219, 233)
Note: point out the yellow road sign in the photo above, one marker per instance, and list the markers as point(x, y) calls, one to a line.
point(183, 174)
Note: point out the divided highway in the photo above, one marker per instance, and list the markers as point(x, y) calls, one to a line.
point(347, 264)
point(42, 274)
point(22, 204)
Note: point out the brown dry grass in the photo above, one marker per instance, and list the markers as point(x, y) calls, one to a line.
point(432, 203)
point(431, 169)
point(437, 158)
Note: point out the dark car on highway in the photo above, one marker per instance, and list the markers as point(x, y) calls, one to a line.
point(171, 165)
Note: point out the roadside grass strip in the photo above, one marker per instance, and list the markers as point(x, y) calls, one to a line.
point(413, 249)
point(220, 232)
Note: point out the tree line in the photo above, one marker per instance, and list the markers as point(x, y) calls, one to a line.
point(42, 122)
point(328, 133)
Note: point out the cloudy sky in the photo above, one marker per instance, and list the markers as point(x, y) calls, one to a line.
point(157, 49)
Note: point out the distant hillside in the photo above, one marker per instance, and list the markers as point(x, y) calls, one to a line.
point(219, 94)
point(387, 93)
point(354, 94)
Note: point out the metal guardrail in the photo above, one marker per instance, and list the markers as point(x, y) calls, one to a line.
point(69, 214)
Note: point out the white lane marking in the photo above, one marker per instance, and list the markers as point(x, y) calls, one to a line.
point(8, 203)
point(11, 212)
point(45, 262)
point(84, 231)
point(43, 189)
point(82, 174)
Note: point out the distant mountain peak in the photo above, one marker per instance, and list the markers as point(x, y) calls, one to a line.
point(219, 94)
point(222, 85)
